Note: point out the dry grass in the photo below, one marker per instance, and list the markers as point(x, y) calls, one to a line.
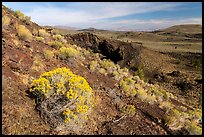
point(167, 46)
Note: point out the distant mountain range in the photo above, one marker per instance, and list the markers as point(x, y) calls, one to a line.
point(66, 27)
point(182, 27)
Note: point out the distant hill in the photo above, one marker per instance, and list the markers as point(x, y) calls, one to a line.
point(186, 28)
point(66, 27)
point(91, 29)
point(138, 91)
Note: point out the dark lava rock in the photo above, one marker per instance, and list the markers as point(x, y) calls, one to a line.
point(160, 77)
point(115, 50)
point(184, 86)
point(86, 40)
point(110, 51)
point(175, 73)
point(199, 81)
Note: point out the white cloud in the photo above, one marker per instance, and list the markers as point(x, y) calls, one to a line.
point(90, 12)
point(151, 24)
point(97, 14)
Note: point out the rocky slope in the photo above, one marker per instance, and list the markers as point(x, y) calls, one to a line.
point(123, 103)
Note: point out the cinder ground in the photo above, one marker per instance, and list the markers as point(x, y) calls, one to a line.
point(18, 68)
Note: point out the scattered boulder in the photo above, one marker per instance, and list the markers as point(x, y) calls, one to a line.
point(160, 77)
point(184, 86)
point(175, 73)
point(199, 81)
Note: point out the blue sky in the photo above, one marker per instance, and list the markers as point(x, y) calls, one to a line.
point(111, 15)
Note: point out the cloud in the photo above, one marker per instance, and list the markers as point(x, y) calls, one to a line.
point(101, 14)
point(92, 11)
point(151, 24)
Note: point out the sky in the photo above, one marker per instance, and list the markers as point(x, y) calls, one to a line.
point(139, 16)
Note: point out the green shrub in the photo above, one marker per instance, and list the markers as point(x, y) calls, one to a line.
point(151, 99)
point(128, 85)
point(57, 37)
point(37, 64)
point(24, 33)
point(19, 14)
point(123, 71)
point(107, 64)
point(194, 129)
point(56, 44)
point(170, 121)
point(165, 94)
point(129, 110)
point(102, 71)
point(65, 99)
point(40, 39)
point(35, 32)
point(27, 20)
point(165, 105)
point(141, 94)
point(48, 54)
point(116, 75)
point(69, 52)
point(196, 114)
point(182, 108)
point(43, 33)
point(93, 65)
point(5, 21)
point(160, 94)
point(140, 72)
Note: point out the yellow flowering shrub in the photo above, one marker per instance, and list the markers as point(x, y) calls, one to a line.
point(70, 115)
point(70, 96)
